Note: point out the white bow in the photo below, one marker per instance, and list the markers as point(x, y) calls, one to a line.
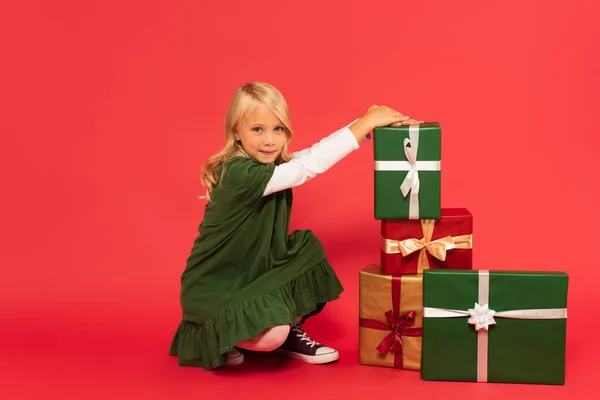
point(411, 182)
point(481, 316)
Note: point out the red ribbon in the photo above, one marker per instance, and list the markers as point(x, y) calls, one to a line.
point(396, 324)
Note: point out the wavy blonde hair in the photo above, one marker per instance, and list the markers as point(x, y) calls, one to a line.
point(244, 101)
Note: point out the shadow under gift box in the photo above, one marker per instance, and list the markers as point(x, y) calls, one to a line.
point(411, 246)
point(494, 326)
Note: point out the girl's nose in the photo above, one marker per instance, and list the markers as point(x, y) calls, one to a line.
point(270, 138)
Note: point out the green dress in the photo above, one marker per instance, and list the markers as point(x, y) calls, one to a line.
point(245, 272)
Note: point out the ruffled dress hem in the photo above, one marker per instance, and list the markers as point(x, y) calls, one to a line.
point(205, 345)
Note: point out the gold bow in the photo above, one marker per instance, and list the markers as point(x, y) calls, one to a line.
point(437, 248)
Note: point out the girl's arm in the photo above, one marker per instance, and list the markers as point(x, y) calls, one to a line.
point(304, 152)
point(317, 159)
point(308, 163)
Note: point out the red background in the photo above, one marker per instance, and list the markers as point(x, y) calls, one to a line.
point(109, 109)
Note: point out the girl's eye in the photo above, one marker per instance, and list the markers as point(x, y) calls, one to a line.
point(257, 130)
point(279, 129)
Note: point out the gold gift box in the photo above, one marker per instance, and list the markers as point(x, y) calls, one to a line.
point(390, 334)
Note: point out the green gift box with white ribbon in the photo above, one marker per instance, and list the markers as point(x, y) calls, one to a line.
point(494, 326)
point(407, 171)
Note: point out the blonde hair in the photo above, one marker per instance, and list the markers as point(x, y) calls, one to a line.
point(244, 101)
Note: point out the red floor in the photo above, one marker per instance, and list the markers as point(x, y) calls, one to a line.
point(98, 350)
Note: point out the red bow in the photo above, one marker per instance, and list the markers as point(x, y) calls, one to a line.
point(398, 328)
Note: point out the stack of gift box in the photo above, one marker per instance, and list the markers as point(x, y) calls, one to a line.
point(425, 307)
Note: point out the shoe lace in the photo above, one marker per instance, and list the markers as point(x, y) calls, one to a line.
point(304, 337)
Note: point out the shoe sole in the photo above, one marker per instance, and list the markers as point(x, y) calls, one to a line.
point(320, 359)
point(233, 361)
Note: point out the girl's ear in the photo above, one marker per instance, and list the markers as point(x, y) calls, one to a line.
point(235, 135)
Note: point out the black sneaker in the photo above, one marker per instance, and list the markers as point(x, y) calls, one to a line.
point(300, 346)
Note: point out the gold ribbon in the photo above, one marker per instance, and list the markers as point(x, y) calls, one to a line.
point(437, 248)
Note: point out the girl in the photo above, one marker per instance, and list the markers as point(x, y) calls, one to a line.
point(248, 283)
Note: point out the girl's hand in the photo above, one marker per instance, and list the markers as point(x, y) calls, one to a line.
point(384, 116)
point(377, 116)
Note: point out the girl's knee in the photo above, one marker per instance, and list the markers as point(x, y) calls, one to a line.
point(271, 338)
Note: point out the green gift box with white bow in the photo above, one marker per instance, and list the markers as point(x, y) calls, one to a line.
point(494, 326)
point(408, 171)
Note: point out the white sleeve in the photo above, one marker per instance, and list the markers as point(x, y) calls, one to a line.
point(308, 163)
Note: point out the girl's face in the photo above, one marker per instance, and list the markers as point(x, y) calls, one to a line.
point(262, 135)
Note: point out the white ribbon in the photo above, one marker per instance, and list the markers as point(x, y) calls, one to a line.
point(411, 182)
point(482, 316)
point(546, 313)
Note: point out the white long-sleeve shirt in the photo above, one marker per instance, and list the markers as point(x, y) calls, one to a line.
point(310, 162)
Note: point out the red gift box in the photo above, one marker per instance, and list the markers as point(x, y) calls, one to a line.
point(411, 246)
